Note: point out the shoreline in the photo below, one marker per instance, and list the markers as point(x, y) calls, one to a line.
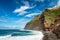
point(38, 35)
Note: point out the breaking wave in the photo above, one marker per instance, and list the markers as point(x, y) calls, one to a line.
point(22, 35)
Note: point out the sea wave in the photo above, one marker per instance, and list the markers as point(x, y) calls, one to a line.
point(37, 36)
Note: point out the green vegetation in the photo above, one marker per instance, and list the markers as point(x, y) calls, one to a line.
point(50, 15)
point(45, 19)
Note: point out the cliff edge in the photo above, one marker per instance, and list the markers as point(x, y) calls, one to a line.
point(46, 19)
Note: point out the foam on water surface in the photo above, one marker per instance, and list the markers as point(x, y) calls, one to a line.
point(37, 36)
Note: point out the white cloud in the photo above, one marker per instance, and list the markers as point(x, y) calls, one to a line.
point(40, 0)
point(31, 15)
point(58, 4)
point(21, 23)
point(22, 13)
point(52, 4)
point(2, 20)
point(22, 9)
point(22, 20)
point(26, 3)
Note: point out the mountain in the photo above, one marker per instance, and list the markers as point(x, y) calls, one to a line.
point(44, 20)
point(48, 20)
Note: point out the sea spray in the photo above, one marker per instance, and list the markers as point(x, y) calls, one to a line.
point(37, 36)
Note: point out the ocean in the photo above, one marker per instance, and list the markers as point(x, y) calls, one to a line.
point(14, 34)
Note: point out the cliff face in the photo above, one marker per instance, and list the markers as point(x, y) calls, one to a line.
point(47, 20)
point(36, 23)
point(32, 25)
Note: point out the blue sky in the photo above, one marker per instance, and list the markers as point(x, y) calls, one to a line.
point(14, 14)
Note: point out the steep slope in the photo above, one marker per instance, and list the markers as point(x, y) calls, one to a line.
point(45, 20)
point(36, 23)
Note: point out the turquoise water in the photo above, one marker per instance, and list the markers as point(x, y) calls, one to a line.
point(14, 32)
point(10, 34)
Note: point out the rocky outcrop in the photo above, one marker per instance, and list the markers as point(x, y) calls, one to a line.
point(37, 23)
point(57, 26)
point(45, 21)
point(48, 20)
point(54, 30)
point(49, 36)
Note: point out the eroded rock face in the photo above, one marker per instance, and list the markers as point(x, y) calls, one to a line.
point(57, 20)
point(57, 31)
point(49, 36)
point(45, 19)
point(48, 20)
point(36, 24)
point(56, 28)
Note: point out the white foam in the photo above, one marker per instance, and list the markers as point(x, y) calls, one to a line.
point(38, 36)
point(5, 36)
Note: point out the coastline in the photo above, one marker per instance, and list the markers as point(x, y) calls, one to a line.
point(37, 36)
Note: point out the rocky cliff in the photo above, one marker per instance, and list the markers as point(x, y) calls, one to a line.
point(46, 19)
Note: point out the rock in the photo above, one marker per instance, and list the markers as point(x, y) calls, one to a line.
point(57, 31)
point(44, 20)
point(49, 36)
point(48, 20)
